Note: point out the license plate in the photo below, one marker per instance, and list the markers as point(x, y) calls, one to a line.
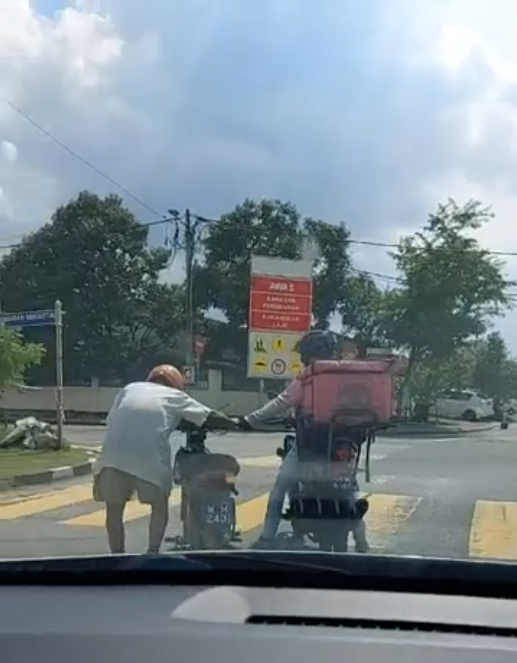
point(218, 514)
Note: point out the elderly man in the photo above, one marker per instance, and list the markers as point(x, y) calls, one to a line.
point(136, 456)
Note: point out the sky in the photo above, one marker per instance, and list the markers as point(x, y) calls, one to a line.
point(366, 112)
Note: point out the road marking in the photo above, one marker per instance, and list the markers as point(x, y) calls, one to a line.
point(259, 461)
point(251, 513)
point(493, 531)
point(274, 461)
point(133, 511)
point(387, 514)
point(46, 502)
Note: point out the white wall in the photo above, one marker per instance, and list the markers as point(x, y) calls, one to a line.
point(98, 400)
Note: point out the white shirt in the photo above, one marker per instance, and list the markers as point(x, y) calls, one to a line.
point(139, 425)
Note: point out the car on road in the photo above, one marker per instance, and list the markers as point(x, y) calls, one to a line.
point(463, 404)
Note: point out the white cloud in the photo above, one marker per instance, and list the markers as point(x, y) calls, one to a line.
point(355, 111)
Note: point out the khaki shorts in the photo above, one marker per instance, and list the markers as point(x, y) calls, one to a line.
point(116, 487)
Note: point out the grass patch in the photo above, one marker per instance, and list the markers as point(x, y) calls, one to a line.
point(14, 462)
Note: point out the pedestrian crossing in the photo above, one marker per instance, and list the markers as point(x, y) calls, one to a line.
point(492, 529)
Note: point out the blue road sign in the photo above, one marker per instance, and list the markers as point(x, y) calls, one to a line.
point(42, 318)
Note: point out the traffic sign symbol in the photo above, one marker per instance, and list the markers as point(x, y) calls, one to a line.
point(260, 364)
point(279, 344)
point(278, 367)
point(295, 367)
point(260, 346)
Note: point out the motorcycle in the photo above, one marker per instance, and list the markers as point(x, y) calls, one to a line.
point(323, 507)
point(208, 491)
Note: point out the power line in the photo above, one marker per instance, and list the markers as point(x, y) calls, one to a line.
point(80, 158)
point(190, 230)
point(148, 224)
point(386, 245)
point(92, 166)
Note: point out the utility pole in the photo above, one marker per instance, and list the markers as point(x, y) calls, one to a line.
point(190, 250)
point(186, 238)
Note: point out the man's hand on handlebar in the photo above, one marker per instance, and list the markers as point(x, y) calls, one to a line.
point(219, 420)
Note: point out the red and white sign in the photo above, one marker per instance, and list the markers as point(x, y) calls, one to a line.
point(199, 345)
point(280, 303)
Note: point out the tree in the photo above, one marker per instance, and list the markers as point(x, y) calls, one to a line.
point(450, 286)
point(362, 312)
point(331, 269)
point(269, 228)
point(93, 255)
point(16, 356)
point(491, 364)
point(432, 375)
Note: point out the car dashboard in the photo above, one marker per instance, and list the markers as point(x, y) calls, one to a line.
point(234, 622)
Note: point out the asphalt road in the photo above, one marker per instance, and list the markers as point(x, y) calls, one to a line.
point(453, 497)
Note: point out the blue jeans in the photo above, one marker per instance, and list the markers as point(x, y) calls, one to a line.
point(285, 482)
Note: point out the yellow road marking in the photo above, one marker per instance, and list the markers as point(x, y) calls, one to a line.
point(260, 461)
point(387, 513)
point(493, 531)
point(251, 514)
point(133, 511)
point(385, 516)
point(46, 502)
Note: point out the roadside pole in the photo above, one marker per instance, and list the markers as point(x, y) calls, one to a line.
point(60, 413)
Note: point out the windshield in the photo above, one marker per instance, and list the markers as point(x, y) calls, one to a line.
point(191, 188)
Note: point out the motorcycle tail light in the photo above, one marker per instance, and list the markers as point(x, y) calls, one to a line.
point(344, 455)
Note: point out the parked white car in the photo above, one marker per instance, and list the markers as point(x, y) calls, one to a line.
point(463, 404)
point(510, 407)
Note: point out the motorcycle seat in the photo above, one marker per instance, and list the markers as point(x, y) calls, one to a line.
point(210, 467)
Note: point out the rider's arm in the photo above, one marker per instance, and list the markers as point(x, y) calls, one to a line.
point(187, 408)
point(281, 405)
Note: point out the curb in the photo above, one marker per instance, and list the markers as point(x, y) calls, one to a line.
point(49, 476)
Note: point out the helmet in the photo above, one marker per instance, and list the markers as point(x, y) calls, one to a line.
point(167, 375)
point(317, 344)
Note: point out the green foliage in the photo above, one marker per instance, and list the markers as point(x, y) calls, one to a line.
point(93, 255)
point(432, 375)
point(363, 311)
point(120, 318)
point(450, 286)
point(16, 356)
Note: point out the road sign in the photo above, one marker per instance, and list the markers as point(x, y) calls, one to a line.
point(43, 318)
point(280, 295)
point(199, 345)
point(280, 313)
point(278, 367)
point(264, 346)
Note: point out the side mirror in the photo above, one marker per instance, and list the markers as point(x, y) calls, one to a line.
point(280, 452)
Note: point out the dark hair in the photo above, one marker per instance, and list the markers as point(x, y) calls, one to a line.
point(317, 344)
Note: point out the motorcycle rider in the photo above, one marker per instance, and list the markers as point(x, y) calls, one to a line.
point(316, 344)
point(136, 454)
